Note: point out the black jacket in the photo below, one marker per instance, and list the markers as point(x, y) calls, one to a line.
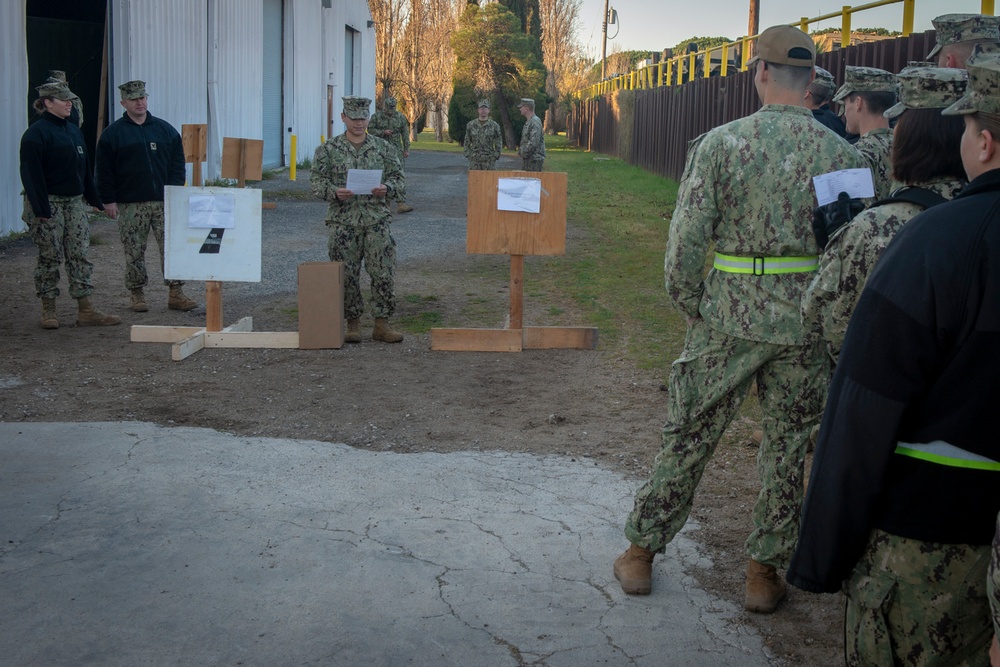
point(134, 162)
point(826, 117)
point(920, 363)
point(54, 161)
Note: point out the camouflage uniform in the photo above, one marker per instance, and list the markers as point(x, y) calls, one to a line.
point(993, 583)
point(59, 76)
point(957, 28)
point(746, 189)
point(63, 238)
point(532, 146)
point(395, 122)
point(359, 226)
point(851, 253)
point(876, 145)
point(483, 141)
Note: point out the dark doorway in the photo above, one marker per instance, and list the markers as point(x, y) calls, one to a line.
point(68, 36)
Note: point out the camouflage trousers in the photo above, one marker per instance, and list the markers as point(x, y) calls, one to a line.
point(374, 244)
point(482, 165)
point(993, 583)
point(707, 385)
point(135, 221)
point(62, 239)
point(918, 603)
point(532, 165)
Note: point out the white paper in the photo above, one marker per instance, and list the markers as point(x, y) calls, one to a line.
point(519, 194)
point(857, 183)
point(363, 181)
point(212, 211)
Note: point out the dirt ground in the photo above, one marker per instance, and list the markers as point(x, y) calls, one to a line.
point(402, 398)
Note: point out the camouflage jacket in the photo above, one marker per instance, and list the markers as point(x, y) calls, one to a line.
point(532, 145)
point(483, 141)
point(876, 149)
point(747, 189)
point(329, 172)
point(849, 258)
point(395, 121)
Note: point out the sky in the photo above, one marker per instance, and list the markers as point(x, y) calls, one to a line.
point(653, 25)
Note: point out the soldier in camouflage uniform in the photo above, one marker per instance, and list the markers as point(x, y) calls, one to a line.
point(532, 146)
point(865, 96)
point(928, 157)
point(958, 34)
point(483, 140)
point(902, 501)
point(359, 222)
point(747, 192)
point(56, 179)
point(137, 156)
point(392, 126)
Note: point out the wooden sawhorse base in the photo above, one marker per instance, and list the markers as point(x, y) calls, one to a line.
point(188, 340)
point(514, 340)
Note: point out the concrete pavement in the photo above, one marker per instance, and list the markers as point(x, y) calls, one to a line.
point(134, 544)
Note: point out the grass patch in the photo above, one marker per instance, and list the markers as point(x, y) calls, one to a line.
point(421, 322)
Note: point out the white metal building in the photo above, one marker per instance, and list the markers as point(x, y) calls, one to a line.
point(255, 69)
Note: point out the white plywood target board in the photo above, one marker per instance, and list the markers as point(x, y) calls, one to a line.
point(212, 234)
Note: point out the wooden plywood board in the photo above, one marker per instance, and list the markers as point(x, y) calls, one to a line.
point(476, 340)
point(494, 232)
point(194, 140)
point(560, 338)
point(242, 158)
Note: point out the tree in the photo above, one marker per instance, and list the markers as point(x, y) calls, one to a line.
point(701, 42)
point(493, 58)
point(391, 18)
point(562, 55)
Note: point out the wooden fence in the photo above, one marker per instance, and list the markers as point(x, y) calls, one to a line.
point(653, 131)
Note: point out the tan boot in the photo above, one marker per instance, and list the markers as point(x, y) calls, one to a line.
point(634, 570)
point(765, 588)
point(88, 316)
point(353, 331)
point(138, 301)
point(178, 301)
point(384, 333)
point(757, 437)
point(403, 207)
point(49, 320)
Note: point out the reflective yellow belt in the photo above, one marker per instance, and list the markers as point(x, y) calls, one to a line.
point(760, 266)
point(942, 453)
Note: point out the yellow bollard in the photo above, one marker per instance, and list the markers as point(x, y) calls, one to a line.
point(322, 140)
point(294, 158)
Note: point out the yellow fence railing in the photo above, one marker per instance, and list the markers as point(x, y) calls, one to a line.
point(677, 70)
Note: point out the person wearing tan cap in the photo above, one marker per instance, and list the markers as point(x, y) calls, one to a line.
point(903, 501)
point(958, 34)
point(747, 194)
point(483, 140)
point(137, 155)
point(56, 177)
point(532, 146)
point(865, 96)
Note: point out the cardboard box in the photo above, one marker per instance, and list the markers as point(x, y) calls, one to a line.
point(321, 305)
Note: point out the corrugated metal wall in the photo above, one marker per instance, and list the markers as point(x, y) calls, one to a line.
point(305, 83)
point(13, 120)
point(666, 119)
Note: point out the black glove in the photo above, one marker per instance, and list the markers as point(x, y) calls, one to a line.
point(828, 219)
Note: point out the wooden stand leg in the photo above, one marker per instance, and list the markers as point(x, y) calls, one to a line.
point(213, 305)
point(516, 291)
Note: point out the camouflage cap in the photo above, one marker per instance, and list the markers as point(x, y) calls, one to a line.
point(865, 80)
point(356, 107)
point(983, 91)
point(526, 102)
point(955, 28)
point(57, 75)
point(785, 45)
point(824, 78)
point(133, 90)
point(483, 103)
point(390, 101)
point(928, 88)
point(56, 90)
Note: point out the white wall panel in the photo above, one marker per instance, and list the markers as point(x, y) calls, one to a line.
point(13, 112)
point(305, 81)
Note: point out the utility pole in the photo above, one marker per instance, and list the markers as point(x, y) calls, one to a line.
point(604, 42)
point(754, 27)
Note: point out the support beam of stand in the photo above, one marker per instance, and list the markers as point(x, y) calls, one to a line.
point(516, 291)
point(213, 305)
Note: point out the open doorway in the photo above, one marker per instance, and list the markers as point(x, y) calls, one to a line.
point(69, 36)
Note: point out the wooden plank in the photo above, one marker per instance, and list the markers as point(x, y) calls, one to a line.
point(269, 205)
point(516, 292)
point(242, 159)
point(476, 340)
point(251, 339)
point(185, 348)
point(242, 324)
point(142, 333)
point(213, 305)
point(560, 338)
point(493, 232)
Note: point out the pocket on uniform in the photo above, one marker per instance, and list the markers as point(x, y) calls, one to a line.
point(868, 640)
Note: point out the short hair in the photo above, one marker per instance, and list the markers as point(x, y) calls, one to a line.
point(927, 146)
point(961, 50)
point(878, 102)
point(790, 76)
point(989, 122)
point(821, 91)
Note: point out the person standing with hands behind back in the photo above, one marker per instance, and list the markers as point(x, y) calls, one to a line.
point(56, 178)
point(137, 156)
point(359, 221)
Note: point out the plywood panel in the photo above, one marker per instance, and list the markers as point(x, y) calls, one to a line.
point(476, 340)
point(495, 232)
